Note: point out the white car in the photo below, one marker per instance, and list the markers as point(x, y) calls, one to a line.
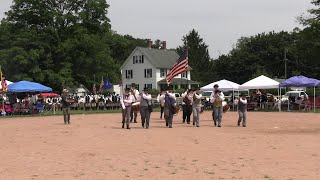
point(294, 94)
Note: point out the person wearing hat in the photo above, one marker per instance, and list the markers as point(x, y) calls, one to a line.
point(216, 99)
point(136, 97)
point(66, 103)
point(144, 108)
point(127, 101)
point(169, 106)
point(242, 110)
point(196, 106)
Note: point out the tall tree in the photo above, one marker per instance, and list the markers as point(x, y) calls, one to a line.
point(199, 58)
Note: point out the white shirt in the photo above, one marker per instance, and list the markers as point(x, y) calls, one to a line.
point(136, 95)
point(183, 95)
point(221, 96)
point(127, 100)
point(171, 95)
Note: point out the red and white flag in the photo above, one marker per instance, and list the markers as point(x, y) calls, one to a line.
point(179, 67)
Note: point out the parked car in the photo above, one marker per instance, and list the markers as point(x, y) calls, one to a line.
point(294, 94)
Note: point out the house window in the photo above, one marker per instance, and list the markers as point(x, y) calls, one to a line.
point(163, 72)
point(184, 75)
point(129, 86)
point(138, 59)
point(149, 86)
point(129, 74)
point(148, 73)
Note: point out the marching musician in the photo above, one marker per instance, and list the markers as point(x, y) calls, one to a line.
point(187, 100)
point(217, 97)
point(215, 88)
point(144, 107)
point(66, 103)
point(127, 101)
point(136, 98)
point(161, 102)
point(169, 106)
point(184, 105)
point(196, 106)
point(242, 110)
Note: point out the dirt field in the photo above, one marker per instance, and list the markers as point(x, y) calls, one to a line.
point(278, 146)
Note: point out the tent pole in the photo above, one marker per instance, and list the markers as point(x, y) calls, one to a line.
point(288, 104)
point(233, 99)
point(314, 98)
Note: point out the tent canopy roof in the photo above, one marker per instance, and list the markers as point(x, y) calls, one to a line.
point(224, 85)
point(300, 81)
point(27, 86)
point(261, 82)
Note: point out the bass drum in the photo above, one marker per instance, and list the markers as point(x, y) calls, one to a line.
point(135, 106)
point(225, 106)
point(177, 109)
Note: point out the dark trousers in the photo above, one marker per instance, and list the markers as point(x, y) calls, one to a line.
point(133, 115)
point(161, 111)
point(187, 110)
point(66, 115)
point(145, 116)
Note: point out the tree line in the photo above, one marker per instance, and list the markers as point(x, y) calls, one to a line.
point(71, 42)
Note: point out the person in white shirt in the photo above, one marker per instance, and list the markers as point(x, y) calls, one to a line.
point(242, 110)
point(161, 102)
point(144, 108)
point(126, 105)
point(216, 99)
point(136, 98)
point(169, 106)
point(196, 107)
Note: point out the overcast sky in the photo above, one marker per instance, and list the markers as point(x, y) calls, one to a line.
point(219, 22)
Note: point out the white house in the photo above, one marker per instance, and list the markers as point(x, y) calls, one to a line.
point(148, 67)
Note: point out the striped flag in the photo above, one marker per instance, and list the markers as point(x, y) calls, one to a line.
point(3, 82)
point(94, 89)
point(179, 67)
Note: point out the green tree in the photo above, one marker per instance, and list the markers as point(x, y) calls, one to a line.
point(199, 58)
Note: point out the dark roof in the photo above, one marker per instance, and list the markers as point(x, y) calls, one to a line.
point(160, 58)
point(178, 81)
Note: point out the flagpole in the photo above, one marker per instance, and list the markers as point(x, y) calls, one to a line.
point(187, 52)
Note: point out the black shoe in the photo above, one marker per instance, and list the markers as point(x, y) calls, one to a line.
point(122, 125)
point(128, 127)
point(142, 125)
point(194, 123)
point(147, 127)
point(160, 117)
point(188, 122)
point(219, 125)
point(183, 121)
point(198, 126)
point(244, 126)
point(167, 124)
point(215, 123)
point(135, 121)
point(131, 120)
point(170, 126)
point(68, 122)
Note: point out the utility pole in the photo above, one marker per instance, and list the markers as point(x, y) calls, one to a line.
point(285, 63)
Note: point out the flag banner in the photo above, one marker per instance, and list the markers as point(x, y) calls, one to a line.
point(179, 67)
point(3, 82)
point(101, 88)
point(107, 84)
point(94, 89)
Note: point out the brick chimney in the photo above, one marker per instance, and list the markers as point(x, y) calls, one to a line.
point(149, 43)
point(164, 45)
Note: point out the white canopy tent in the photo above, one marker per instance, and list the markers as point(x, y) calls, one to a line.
point(261, 82)
point(224, 85)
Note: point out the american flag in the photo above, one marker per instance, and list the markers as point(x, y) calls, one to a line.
point(94, 90)
point(179, 67)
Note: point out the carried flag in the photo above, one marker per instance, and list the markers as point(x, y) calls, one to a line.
point(101, 88)
point(179, 67)
point(94, 89)
point(107, 84)
point(3, 82)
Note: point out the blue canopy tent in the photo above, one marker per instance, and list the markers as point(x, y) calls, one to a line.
point(302, 81)
point(27, 86)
